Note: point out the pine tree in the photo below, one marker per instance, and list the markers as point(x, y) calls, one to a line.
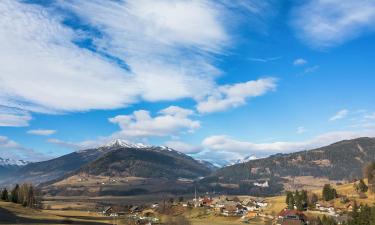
point(4, 195)
point(14, 194)
point(289, 200)
point(362, 187)
point(328, 192)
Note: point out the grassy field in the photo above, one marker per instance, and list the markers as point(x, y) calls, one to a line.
point(11, 213)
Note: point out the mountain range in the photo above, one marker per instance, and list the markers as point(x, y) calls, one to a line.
point(123, 168)
point(117, 158)
point(339, 162)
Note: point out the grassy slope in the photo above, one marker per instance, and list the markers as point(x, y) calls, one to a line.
point(276, 204)
point(11, 213)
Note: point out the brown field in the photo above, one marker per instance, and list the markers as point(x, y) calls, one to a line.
point(11, 213)
point(307, 183)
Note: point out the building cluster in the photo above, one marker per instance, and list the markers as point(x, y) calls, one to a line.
point(231, 206)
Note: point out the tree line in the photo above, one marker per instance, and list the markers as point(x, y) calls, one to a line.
point(24, 194)
point(299, 200)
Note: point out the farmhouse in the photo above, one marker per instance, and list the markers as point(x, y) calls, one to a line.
point(291, 217)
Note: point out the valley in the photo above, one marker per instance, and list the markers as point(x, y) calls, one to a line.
point(163, 181)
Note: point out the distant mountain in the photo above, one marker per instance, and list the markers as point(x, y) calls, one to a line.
point(243, 160)
point(117, 158)
point(209, 165)
point(9, 166)
point(147, 162)
point(12, 162)
point(131, 170)
point(39, 172)
point(343, 160)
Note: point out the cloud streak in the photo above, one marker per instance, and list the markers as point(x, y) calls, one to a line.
point(13, 117)
point(339, 115)
point(328, 23)
point(42, 132)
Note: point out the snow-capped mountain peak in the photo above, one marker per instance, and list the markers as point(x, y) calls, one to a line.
point(125, 144)
point(13, 162)
point(244, 160)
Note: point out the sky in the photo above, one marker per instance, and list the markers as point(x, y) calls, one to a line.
point(216, 79)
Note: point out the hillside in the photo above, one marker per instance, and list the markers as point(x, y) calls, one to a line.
point(153, 162)
point(132, 171)
point(343, 160)
point(44, 171)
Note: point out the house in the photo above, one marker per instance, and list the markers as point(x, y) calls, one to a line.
point(252, 214)
point(206, 201)
point(135, 209)
point(325, 207)
point(229, 209)
point(261, 203)
point(261, 184)
point(291, 217)
point(107, 211)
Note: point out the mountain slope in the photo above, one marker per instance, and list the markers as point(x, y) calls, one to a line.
point(148, 162)
point(343, 160)
point(132, 170)
point(51, 169)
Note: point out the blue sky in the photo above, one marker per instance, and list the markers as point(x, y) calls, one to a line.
point(215, 79)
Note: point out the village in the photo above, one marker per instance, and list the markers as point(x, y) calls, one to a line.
point(244, 208)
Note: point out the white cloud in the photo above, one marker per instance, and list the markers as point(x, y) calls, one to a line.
point(301, 130)
point(42, 70)
point(184, 147)
point(165, 44)
point(42, 132)
point(327, 23)
point(234, 149)
point(78, 145)
point(299, 61)
point(5, 142)
point(231, 96)
point(370, 116)
point(12, 117)
point(170, 121)
point(339, 115)
point(12, 150)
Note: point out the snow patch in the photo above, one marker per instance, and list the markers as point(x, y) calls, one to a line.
point(13, 162)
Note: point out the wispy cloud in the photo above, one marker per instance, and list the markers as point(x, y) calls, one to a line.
point(13, 117)
point(168, 48)
point(184, 147)
point(13, 150)
point(301, 130)
point(299, 62)
point(308, 70)
point(42, 132)
point(328, 23)
point(339, 115)
point(265, 60)
point(231, 96)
